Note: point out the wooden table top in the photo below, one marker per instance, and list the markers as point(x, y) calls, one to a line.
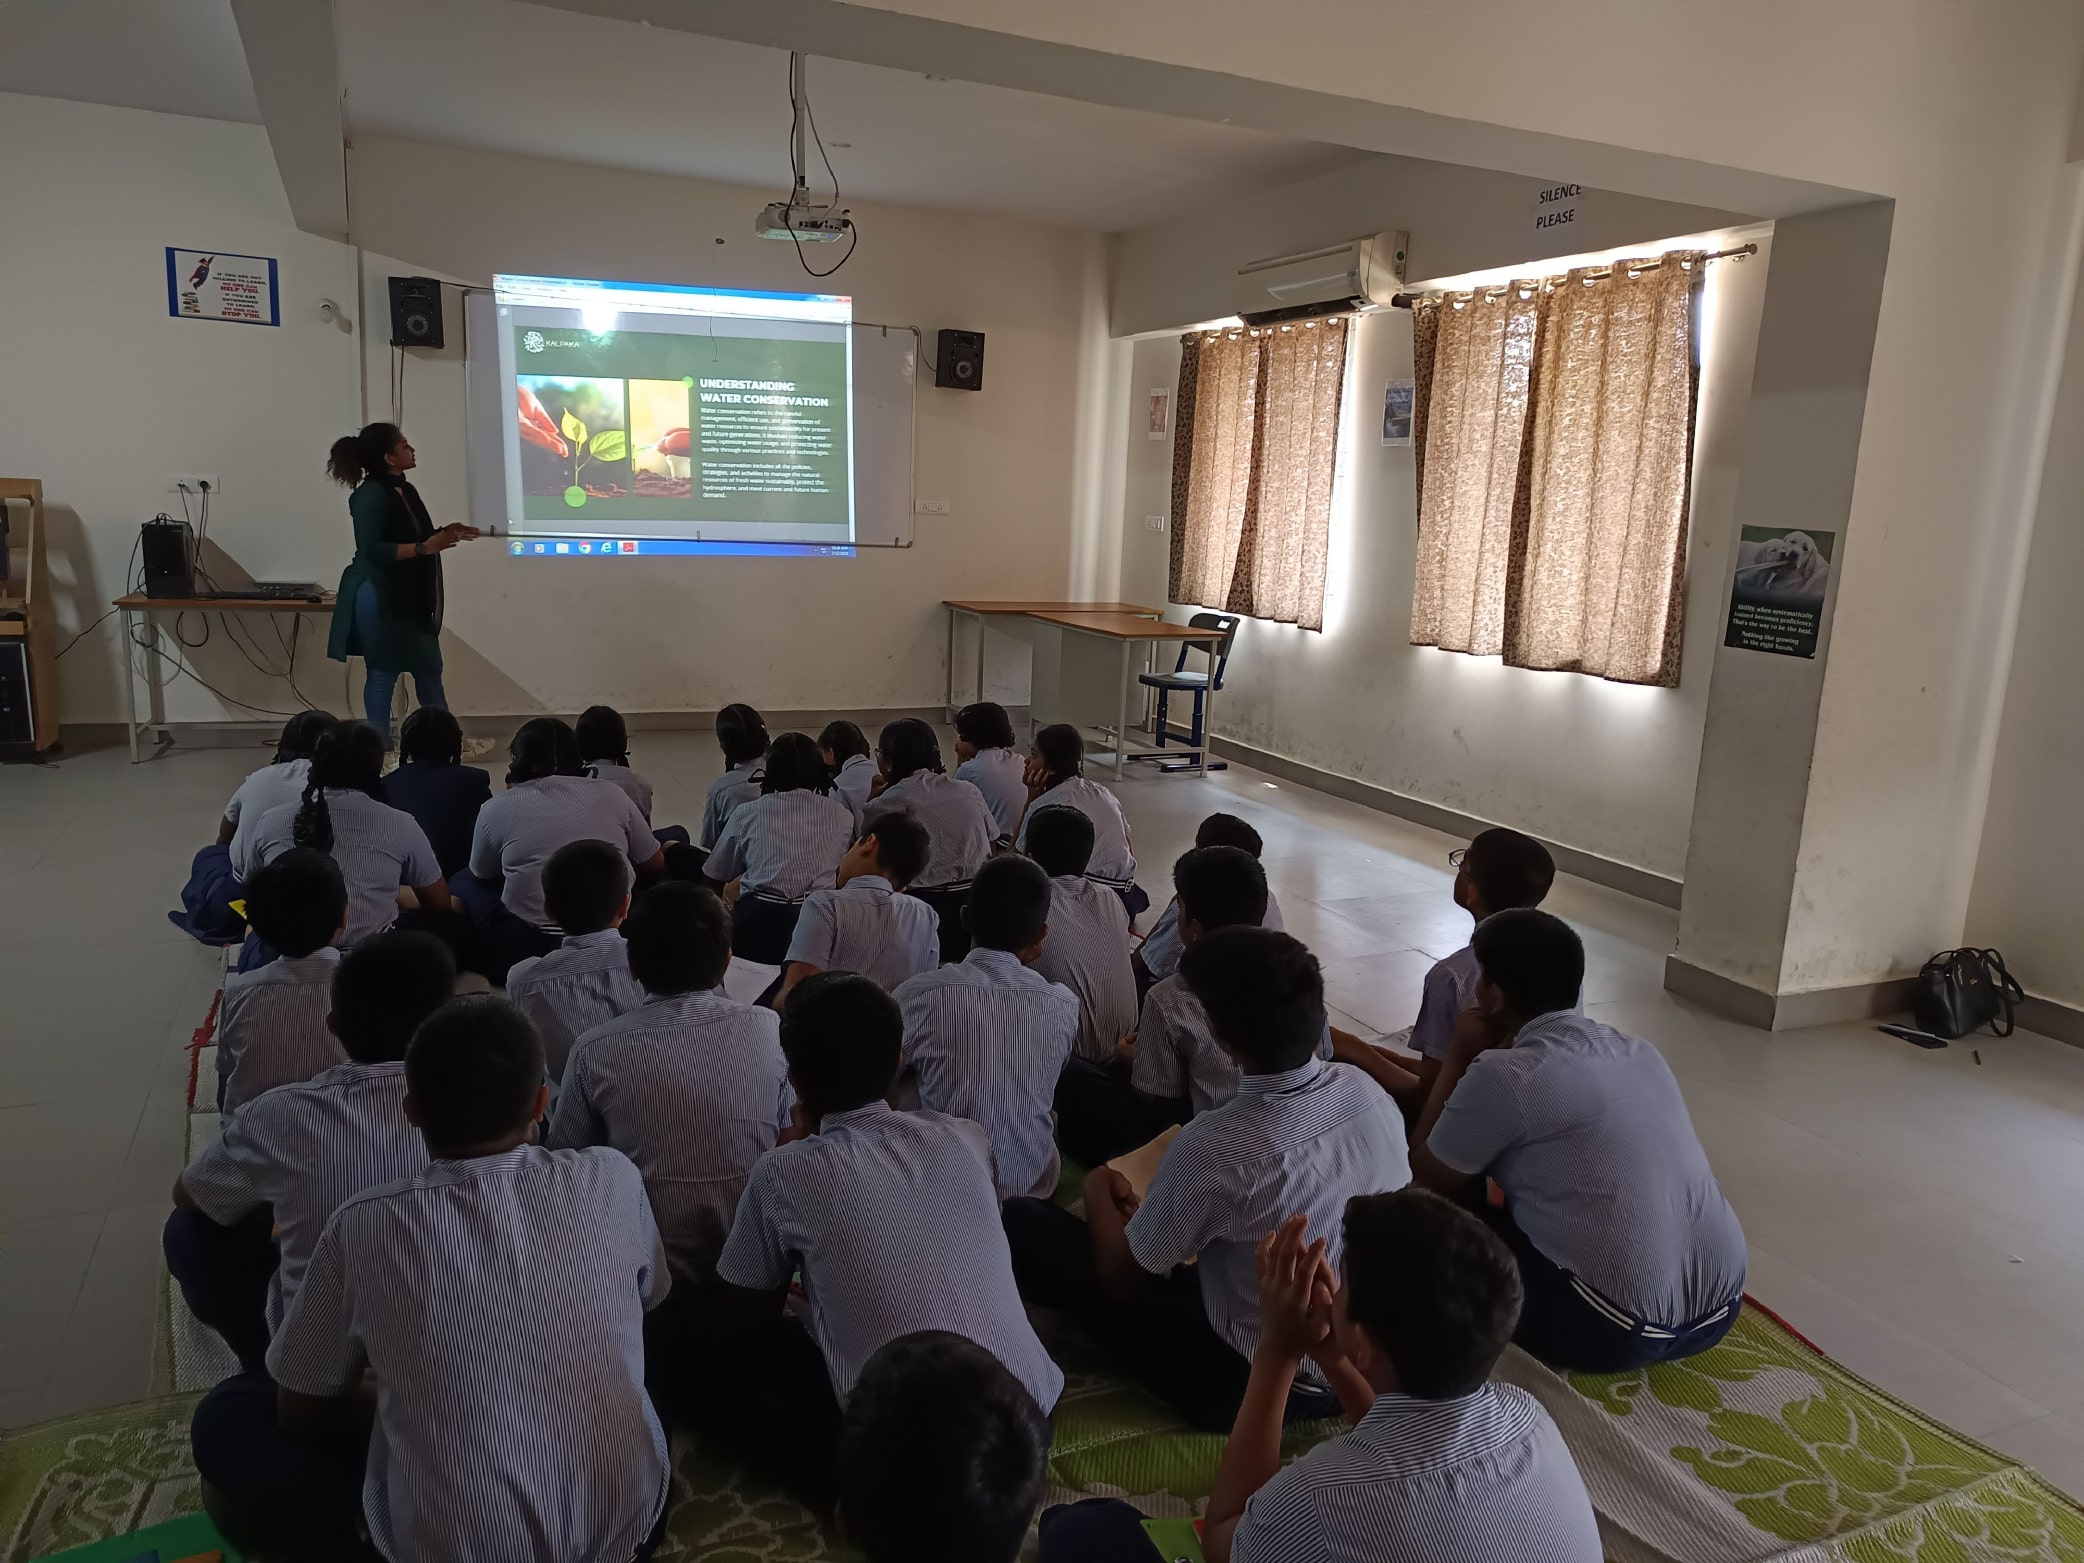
point(139, 602)
point(1125, 626)
point(1030, 608)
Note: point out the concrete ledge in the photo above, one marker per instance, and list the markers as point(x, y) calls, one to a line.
point(2053, 1018)
point(1740, 1001)
point(1625, 877)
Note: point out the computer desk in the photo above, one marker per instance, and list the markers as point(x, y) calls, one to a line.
point(137, 610)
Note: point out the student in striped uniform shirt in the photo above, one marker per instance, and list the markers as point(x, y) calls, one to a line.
point(989, 762)
point(262, 1190)
point(1055, 774)
point(853, 766)
point(741, 732)
point(780, 847)
point(958, 822)
point(498, 1296)
point(1441, 1463)
point(866, 923)
point(604, 753)
point(893, 1222)
point(584, 982)
point(1088, 945)
point(1158, 956)
point(986, 1038)
point(271, 1023)
point(213, 883)
point(1302, 1136)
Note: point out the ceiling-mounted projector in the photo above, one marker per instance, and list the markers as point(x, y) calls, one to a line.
point(796, 219)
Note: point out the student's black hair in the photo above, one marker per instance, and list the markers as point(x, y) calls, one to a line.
point(942, 1454)
point(384, 987)
point(349, 757)
point(583, 885)
point(845, 740)
point(430, 736)
point(473, 1070)
point(301, 733)
point(1060, 838)
point(297, 901)
point(794, 765)
point(1508, 869)
point(361, 454)
point(1062, 748)
point(602, 735)
point(1008, 904)
point(843, 1037)
point(543, 746)
point(1264, 994)
point(1220, 887)
point(1437, 1291)
point(907, 746)
point(741, 732)
point(1227, 830)
point(902, 845)
point(679, 936)
point(1534, 958)
point(985, 724)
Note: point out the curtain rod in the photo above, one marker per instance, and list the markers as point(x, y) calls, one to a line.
point(1406, 300)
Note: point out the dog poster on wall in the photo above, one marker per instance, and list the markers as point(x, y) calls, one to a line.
point(1776, 602)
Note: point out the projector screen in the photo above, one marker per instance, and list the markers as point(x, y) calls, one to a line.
point(646, 418)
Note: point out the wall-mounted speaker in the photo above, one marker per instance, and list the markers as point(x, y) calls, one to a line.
point(415, 312)
point(958, 361)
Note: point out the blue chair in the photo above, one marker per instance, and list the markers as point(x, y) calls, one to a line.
point(1197, 682)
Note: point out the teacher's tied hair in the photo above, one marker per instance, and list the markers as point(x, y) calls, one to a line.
point(350, 758)
point(543, 747)
point(358, 456)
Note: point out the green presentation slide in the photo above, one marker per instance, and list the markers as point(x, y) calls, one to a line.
point(666, 426)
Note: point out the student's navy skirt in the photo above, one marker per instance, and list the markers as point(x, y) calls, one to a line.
point(762, 926)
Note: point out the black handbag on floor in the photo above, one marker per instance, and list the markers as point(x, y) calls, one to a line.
point(1960, 991)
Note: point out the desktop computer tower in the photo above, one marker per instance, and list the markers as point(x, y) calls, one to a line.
point(168, 547)
point(17, 701)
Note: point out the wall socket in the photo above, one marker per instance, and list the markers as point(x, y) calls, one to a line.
point(1154, 523)
point(197, 484)
point(931, 507)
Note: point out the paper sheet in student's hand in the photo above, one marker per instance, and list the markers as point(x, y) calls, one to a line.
point(1141, 1164)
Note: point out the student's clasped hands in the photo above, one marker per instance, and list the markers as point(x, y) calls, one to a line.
point(1296, 1287)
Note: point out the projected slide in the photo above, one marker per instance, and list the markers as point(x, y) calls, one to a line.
point(659, 419)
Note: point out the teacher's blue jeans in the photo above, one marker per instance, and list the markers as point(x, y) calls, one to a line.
point(378, 684)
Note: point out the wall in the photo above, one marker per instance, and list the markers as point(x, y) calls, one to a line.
point(111, 395)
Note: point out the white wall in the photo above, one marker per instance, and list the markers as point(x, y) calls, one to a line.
point(1607, 768)
point(108, 395)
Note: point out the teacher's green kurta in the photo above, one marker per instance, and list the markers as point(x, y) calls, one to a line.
point(406, 637)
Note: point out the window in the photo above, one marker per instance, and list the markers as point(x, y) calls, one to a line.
point(1556, 429)
point(1251, 482)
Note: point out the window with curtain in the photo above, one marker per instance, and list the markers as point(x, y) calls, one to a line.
point(1252, 478)
point(1555, 426)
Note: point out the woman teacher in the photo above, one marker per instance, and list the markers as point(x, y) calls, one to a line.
point(389, 609)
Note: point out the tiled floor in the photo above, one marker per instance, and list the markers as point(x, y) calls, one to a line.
point(1918, 1214)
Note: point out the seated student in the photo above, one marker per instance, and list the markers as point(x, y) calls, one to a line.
point(959, 826)
point(986, 1038)
point(213, 884)
point(891, 1218)
point(1499, 869)
point(435, 787)
point(1055, 774)
point(741, 733)
point(604, 754)
point(780, 847)
point(984, 745)
point(866, 924)
point(549, 803)
point(286, 1161)
point(1088, 945)
point(1158, 956)
point(853, 766)
point(584, 982)
point(1441, 1464)
point(691, 1086)
point(342, 814)
point(1301, 1137)
point(498, 1298)
point(271, 1022)
point(942, 1455)
point(1628, 1252)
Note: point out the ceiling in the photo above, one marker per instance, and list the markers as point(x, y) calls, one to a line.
point(509, 77)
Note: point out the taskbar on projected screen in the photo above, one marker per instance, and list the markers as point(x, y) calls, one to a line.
point(663, 547)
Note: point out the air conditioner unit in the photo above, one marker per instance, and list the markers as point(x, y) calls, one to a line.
point(1360, 274)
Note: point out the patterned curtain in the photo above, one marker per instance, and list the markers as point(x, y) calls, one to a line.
point(1558, 462)
point(1252, 486)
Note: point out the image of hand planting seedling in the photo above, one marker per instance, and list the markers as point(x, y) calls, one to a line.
point(574, 438)
point(662, 450)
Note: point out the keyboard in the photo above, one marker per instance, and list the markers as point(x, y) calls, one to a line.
point(267, 591)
